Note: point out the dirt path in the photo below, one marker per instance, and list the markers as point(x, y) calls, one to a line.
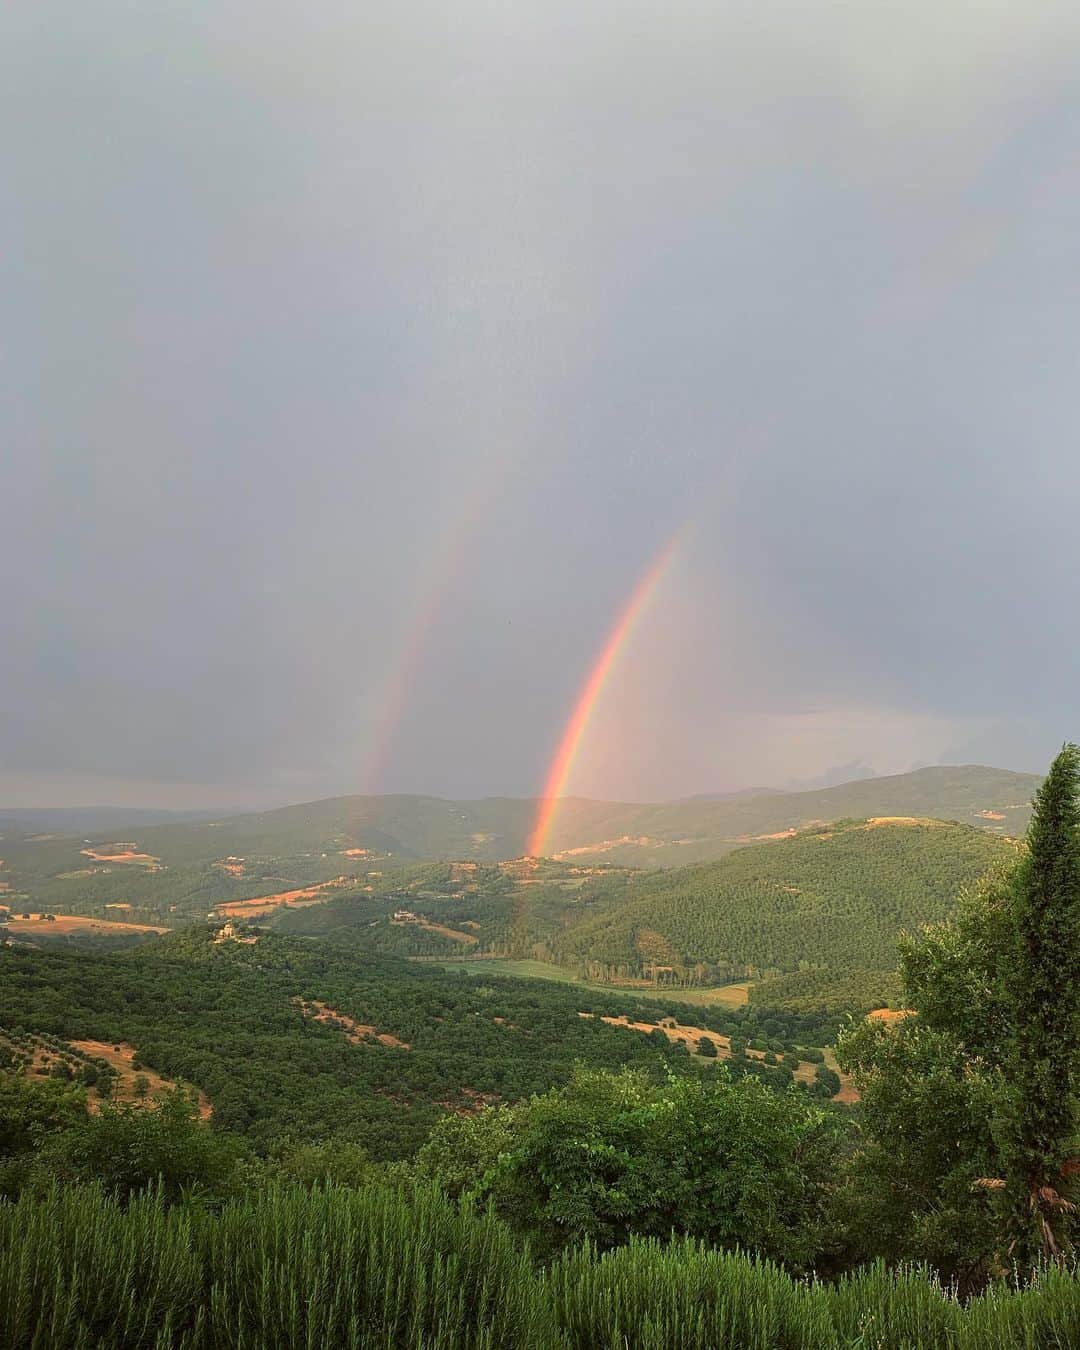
point(455, 934)
point(357, 1032)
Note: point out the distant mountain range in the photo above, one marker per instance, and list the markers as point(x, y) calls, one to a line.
point(89, 819)
point(648, 835)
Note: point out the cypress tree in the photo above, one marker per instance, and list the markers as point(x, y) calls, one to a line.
point(1039, 1140)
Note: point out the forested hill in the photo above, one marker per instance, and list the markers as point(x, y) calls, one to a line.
point(821, 907)
point(666, 834)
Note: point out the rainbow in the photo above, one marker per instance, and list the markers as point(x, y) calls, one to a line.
point(558, 774)
point(403, 671)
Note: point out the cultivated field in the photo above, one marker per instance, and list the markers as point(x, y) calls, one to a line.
point(261, 905)
point(40, 925)
point(720, 996)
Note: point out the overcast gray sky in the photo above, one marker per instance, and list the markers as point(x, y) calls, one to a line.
point(356, 359)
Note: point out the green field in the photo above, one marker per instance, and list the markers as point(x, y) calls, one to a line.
point(722, 996)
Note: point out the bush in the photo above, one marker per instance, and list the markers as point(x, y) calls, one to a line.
point(286, 1268)
point(129, 1148)
point(613, 1155)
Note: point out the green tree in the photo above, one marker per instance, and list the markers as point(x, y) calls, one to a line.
point(610, 1156)
point(339, 1161)
point(1043, 983)
point(30, 1111)
point(463, 1152)
point(128, 1148)
point(969, 1106)
point(925, 1120)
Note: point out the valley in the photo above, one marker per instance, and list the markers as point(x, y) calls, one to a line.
point(804, 917)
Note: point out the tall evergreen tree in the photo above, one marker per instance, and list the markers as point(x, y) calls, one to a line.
point(1039, 1136)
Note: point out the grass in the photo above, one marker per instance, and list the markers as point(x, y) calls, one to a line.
point(721, 996)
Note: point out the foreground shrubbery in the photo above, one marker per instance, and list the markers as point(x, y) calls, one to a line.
point(286, 1268)
point(376, 1268)
point(609, 1156)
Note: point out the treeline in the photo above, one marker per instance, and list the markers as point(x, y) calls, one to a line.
point(826, 991)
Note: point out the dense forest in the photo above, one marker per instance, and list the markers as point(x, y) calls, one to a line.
point(831, 899)
point(226, 1017)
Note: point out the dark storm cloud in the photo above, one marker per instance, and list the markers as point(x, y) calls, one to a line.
point(311, 316)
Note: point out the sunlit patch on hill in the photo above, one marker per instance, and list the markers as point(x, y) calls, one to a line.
point(120, 853)
point(692, 1037)
point(128, 1080)
point(357, 1032)
point(260, 905)
point(45, 924)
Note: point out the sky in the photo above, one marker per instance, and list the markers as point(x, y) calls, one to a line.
point(358, 361)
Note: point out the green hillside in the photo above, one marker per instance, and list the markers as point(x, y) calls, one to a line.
point(677, 832)
point(400, 1043)
point(826, 900)
point(697, 829)
point(648, 835)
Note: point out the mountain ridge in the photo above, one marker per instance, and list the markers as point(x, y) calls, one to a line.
point(664, 834)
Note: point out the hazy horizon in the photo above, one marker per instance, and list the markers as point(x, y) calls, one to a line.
point(654, 400)
point(210, 810)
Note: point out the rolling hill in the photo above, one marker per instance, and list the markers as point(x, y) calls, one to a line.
point(315, 1040)
point(664, 834)
point(810, 919)
point(825, 905)
point(649, 835)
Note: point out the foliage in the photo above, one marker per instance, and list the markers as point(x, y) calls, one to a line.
point(226, 1018)
point(128, 1148)
point(338, 1162)
point(609, 1156)
point(974, 1097)
point(285, 1268)
point(373, 1270)
point(925, 1122)
point(827, 991)
point(817, 907)
point(31, 1113)
point(1043, 987)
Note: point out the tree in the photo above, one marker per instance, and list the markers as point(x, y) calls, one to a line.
point(611, 1155)
point(128, 1148)
point(706, 1046)
point(30, 1114)
point(340, 1162)
point(970, 1104)
point(1039, 1138)
point(925, 1138)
